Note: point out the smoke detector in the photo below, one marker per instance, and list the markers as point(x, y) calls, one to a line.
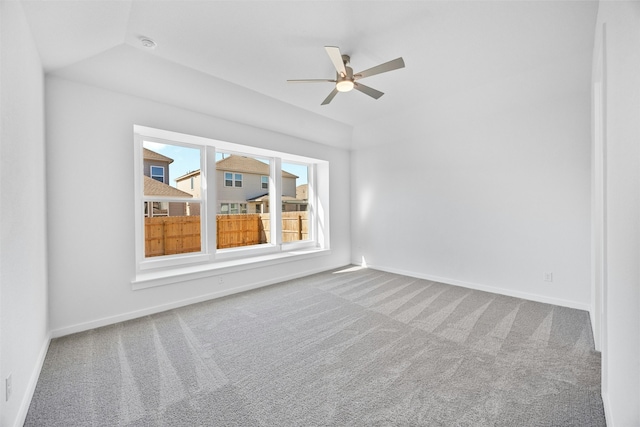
point(148, 43)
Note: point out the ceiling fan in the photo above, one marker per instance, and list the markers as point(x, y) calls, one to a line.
point(346, 80)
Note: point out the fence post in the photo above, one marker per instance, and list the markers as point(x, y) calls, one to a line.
point(164, 237)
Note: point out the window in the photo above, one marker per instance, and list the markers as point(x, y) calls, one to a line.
point(232, 208)
point(171, 216)
point(239, 206)
point(232, 179)
point(157, 173)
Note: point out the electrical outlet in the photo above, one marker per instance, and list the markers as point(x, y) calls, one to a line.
point(547, 277)
point(7, 384)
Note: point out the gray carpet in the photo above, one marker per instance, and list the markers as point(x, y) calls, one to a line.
point(343, 348)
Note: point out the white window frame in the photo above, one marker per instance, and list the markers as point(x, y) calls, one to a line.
point(234, 179)
point(311, 180)
point(262, 183)
point(211, 261)
point(149, 263)
point(152, 176)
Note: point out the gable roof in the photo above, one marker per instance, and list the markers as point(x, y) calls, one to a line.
point(188, 175)
point(154, 187)
point(242, 164)
point(235, 163)
point(152, 155)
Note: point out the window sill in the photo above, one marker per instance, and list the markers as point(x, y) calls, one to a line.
point(170, 276)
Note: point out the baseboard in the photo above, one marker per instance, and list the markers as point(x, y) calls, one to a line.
point(105, 321)
point(485, 288)
point(21, 417)
point(608, 416)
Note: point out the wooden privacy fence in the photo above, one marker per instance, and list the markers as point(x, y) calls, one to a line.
point(169, 235)
point(181, 234)
point(239, 230)
point(295, 226)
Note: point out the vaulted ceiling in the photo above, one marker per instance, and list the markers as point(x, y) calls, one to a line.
point(448, 47)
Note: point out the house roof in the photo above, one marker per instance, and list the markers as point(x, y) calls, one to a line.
point(285, 199)
point(152, 155)
point(188, 175)
point(153, 187)
point(235, 163)
point(242, 164)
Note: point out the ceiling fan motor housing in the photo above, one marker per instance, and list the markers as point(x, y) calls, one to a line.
point(344, 83)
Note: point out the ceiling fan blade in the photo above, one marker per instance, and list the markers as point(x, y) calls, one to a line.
point(368, 90)
point(382, 68)
point(310, 81)
point(328, 99)
point(336, 58)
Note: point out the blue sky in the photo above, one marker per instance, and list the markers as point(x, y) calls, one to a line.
point(187, 160)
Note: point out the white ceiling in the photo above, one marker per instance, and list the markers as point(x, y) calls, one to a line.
point(448, 47)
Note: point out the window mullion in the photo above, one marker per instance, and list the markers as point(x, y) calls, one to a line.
point(312, 202)
point(208, 179)
point(275, 207)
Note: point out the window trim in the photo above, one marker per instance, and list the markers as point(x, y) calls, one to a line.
point(234, 179)
point(172, 268)
point(152, 176)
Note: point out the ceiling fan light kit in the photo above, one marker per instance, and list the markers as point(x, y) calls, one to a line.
point(345, 78)
point(344, 85)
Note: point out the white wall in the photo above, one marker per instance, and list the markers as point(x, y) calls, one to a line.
point(621, 343)
point(23, 260)
point(489, 188)
point(91, 220)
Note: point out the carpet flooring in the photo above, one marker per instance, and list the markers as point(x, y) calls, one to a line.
point(350, 347)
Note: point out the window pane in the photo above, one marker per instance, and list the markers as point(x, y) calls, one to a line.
point(228, 179)
point(164, 161)
point(170, 230)
point(171, 227)
point(241, 202)
point(295, 215)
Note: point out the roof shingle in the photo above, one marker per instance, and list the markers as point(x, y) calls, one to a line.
point(152, 155)
point(153, 187)
point(236, 163)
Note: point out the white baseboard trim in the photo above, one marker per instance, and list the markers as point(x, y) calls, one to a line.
point(105, 321)
point(485, 288)
point(608, 416)
point(21, 417)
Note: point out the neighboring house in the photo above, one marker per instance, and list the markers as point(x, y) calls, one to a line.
point(156, 166)
point(156, 176)
point(302, 192)
point(243, 186)
point(191, 183)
